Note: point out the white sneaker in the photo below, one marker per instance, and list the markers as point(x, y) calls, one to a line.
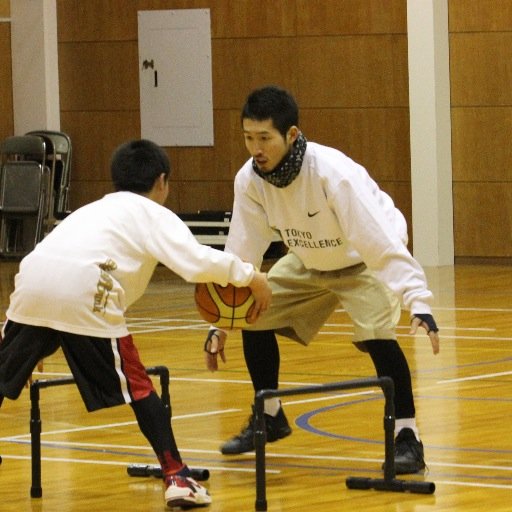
point(183, 491)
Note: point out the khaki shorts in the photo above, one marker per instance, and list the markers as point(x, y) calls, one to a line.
point(303, 300)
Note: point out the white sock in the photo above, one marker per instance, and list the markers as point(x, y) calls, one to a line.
point(272, 406)
point(407, 423)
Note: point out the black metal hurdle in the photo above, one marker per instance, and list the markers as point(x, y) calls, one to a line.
point(36, 490)
point(388, 483)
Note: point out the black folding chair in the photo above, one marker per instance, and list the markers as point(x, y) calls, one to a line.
point(58, 159)
point(23, 196)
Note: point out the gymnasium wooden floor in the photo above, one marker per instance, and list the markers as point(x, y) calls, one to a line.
point(463, 399)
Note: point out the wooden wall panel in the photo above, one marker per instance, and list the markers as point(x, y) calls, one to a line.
point(378, 139)
point(353, 71)
point(6, 113)
point(99, 76)
point(221, 161)
point(244, 64)
point(481, 68)
point(481, 144)
point(480, 15)
point(249, 19)
point(204, 195)
point(481, 95)
point(483, 217)
point(96, 20)
point(334, 17)
point(5, 8)
point(83, 192)
point(94, 136)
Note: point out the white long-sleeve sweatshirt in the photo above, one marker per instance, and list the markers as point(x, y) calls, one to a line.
point(83, 276)
point(333, 215)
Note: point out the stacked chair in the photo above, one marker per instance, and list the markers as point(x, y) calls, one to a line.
point(34, 188)
point(58, 160)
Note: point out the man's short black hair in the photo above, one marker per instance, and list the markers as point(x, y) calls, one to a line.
point(275, 103)
point(136, 164)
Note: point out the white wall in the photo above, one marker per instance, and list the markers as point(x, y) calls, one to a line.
point(430, 125)
point(35, 74)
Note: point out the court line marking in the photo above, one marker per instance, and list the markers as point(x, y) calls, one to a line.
point(119, 463)
point(201, 325)
point(407, 327)
point(471, 484)
point(446, 308)
point(123, 424)
point(247, 455)
point(475, 377)
point(421, 335)
point(368, 459)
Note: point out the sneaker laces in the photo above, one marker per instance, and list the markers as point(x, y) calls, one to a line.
point(248, 430)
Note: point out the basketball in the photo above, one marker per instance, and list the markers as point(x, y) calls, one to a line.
point(226, 307)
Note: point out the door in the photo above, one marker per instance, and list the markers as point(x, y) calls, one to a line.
point(175, 77)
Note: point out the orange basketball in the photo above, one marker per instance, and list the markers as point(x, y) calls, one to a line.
point(227, 307)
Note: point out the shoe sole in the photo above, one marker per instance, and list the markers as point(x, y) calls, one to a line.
point(406, 470)
point(185, 503)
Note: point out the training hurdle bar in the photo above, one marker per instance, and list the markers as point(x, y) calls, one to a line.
point(388, 483)
point(36, 490)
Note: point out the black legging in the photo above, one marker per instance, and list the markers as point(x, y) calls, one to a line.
point(261, 353)
point(389, 361)
point(154, 423)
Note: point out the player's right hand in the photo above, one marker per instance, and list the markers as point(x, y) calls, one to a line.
point(213, 347)
point(262, 294)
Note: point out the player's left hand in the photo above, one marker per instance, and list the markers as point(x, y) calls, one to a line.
point(214, 347)
point(429, 324)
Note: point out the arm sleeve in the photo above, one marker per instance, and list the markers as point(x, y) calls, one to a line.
point(367, 219)
point(249, 232)
point(176, 247)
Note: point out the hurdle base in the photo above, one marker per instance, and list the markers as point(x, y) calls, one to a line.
point(394, 485)
point(140, 470)
point(36, 492)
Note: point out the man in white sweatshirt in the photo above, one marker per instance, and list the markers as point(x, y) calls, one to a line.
point(73, 289)
point(346, 245)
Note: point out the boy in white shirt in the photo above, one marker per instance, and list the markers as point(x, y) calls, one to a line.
point(73, 289)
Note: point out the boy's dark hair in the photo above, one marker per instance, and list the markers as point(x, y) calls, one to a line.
point(136, 164)
point(272, 102)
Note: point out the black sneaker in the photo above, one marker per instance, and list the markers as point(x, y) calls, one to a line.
point(408, 453)
point(277, 428)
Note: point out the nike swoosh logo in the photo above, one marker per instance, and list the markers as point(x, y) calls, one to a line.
point(313, 214)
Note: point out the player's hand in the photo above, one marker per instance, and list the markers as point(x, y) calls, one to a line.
point(429, 324)
point(262, 294)
point(40, 368)
point(214, 347)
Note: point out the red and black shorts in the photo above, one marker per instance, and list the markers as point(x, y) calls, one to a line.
point(108, 372)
